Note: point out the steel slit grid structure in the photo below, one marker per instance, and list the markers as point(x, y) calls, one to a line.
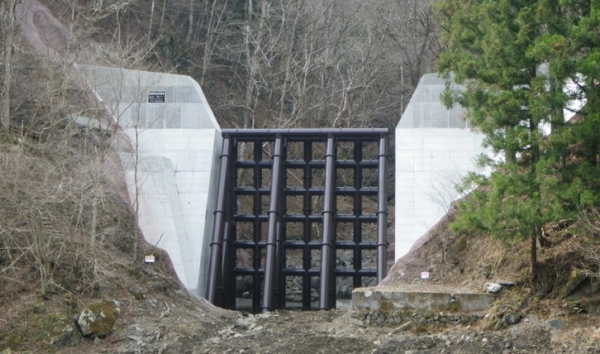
point(256, 231)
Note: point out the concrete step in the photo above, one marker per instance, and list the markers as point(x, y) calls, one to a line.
point(420, 297)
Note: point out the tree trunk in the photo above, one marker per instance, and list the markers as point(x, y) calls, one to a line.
point(8, 44)
point(162, 17)
point(191, 24)
point(535, 158)
point(534, 266)
point(214, 22)
point(251, 40)
point(151, 18)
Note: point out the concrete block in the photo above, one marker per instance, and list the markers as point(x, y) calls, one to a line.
point(421, 297)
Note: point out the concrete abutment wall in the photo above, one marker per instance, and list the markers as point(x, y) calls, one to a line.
point(435, 149)
point(171, 165)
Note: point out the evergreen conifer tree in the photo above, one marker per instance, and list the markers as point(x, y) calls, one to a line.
point(514, 59)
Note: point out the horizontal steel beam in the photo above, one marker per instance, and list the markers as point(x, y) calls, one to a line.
point(300, 271)
point(248, 190)
point(365, 272)
point(321, 163)
point(303, 134)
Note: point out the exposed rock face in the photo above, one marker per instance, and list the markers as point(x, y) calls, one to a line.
point(506, 282)
point(573, 283)
point(407, 319)
point(98, 319)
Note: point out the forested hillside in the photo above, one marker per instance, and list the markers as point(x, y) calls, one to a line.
point(264, 63)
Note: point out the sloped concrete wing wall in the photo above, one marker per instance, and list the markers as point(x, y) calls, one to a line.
point(435, 149)
point(171, 169)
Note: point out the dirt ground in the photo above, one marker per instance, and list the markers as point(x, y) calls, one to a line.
point(205, 331)
point(158, 316)
point(545, 326)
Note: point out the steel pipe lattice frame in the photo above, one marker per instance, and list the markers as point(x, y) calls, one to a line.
point(238, 254)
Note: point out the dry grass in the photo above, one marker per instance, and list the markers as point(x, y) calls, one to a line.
point(66, 237)
point(57, 218)
point(473, 259)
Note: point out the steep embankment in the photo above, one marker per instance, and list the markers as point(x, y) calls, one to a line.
point(471, 260)
point(67, 240)
point(67, 235)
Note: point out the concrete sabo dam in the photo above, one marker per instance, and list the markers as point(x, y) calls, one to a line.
point(173, 173)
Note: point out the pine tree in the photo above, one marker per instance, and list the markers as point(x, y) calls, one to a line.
point(513, 58)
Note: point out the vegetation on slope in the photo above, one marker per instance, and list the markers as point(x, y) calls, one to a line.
point(516, 60)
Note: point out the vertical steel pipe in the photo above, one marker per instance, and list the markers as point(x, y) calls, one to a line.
point(280, 252)
point(327, 248)
point(257, 231)
point(358, 181)
point(226, 287)
point(214, 268)
point(279, 278)
point(270, 264)
point(382, 211)
point(306, 227)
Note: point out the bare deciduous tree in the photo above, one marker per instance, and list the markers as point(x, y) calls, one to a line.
point(191, 22)
point(7, 18)
point(315, 62)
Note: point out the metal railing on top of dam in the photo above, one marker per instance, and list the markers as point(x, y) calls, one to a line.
point(286, 192)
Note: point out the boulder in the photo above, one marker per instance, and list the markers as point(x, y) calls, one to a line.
point(512, 318)
point(575, 279)
point(555, 325)
point(98, 319)
point(68, 337)
point(492, 288)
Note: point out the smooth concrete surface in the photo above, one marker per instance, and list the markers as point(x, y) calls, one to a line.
point(176, 146)
point(435, 149)
point(416, 298)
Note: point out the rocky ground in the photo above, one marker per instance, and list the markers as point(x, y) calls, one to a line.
point(183, 330)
